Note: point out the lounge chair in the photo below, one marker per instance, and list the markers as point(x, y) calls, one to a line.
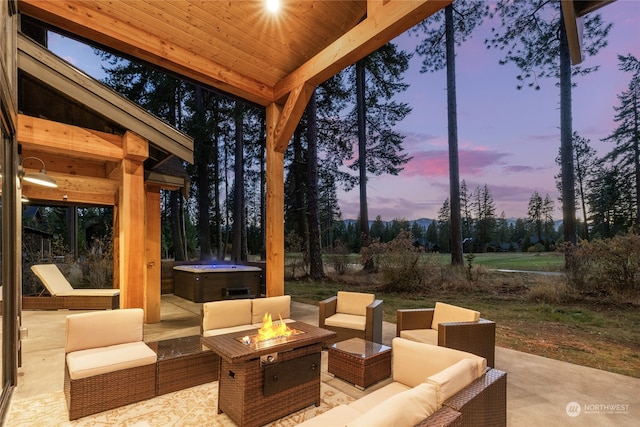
point(64, 296)
point(351, 315)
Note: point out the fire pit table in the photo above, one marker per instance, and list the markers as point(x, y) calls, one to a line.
point(259, 382)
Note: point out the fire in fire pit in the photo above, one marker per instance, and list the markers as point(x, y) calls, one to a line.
point(270, 331)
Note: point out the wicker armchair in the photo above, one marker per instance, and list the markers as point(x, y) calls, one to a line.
point(449, 326)
point(351, 315)
point(107, 365)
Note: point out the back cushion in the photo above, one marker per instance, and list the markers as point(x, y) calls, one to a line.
point(223, 314)
point(404, 409)
point(52, 278)
point(445, 313)
point(354, 302)
point(276, 306)
point(104, 328)
point(451, 380)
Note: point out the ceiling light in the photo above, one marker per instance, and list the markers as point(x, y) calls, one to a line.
point(39, 178)
point(273, 5)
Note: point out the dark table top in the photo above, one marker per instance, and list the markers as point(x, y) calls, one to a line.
point(231, 348)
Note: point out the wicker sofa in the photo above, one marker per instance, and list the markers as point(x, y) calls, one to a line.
point(351, 315)
point(107, 364)
point(432, 386)
point(449, 326)
point(223, 317)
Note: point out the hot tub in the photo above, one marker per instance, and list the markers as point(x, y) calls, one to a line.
point(213, 282)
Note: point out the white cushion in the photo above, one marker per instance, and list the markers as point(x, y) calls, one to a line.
point(451, 380)
point(376, 397)
point(429, 336)
point(349, 321)
point(353, 302)
point(224, 314)
point(446, 313)
point(58, 285)
point(221, 331)
point(277, 307)
point(405, 409)
point(96, 361)
point(337, 416)
point(103, 328)
point(413, 362)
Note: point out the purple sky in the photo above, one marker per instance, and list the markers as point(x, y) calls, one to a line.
point(507, 138)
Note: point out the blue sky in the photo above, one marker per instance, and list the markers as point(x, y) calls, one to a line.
point(507, 138)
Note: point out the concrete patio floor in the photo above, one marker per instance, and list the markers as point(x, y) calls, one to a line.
point(540, 391)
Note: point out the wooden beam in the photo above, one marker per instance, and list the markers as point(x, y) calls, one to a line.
point(53, 137)
point(290, 116)
point(152, 291)
point(134, 147)
point(275, 207)
point(573, 26)
point(386, 22)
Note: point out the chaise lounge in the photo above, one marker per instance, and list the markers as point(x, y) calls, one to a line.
point(64, 296)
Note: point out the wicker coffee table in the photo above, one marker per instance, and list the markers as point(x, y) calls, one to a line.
point(360, 362)
point(182, 363)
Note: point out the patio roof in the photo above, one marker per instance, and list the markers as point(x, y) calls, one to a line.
point(74, 122)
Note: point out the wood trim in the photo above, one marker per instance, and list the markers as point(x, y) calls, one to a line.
point(152, 291)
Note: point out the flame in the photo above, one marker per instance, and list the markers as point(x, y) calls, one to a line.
point(271, 330)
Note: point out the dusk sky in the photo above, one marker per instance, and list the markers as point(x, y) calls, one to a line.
point(507, 138)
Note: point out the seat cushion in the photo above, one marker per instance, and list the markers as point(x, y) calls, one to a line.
point(337, 416)
point(278, 307)
point(429, 336)
point(353, 302)
point(376, 397)
point(96, 361)
point(451, 380)
point(446, 313)
point(103, 328)
point(225, 314)
point(349, 321)
point(405, 409)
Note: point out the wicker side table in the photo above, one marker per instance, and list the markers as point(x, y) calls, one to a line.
point(182, 363)
point(360, 362)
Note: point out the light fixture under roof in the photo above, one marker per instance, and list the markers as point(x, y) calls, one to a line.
point(39, 178)
point(273, 5)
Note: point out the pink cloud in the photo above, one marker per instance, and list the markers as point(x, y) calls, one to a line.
point(435, 163)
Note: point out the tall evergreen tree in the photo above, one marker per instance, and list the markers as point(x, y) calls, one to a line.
point(535, 39)
point(626, 136)
point(438, 49)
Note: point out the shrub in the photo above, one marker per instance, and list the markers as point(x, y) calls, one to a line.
point(606, 267)
point(339, 258)
point(397, 262)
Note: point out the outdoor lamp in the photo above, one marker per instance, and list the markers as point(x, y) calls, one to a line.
point(39, 178)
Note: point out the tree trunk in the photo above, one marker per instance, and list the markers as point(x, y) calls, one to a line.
point(179, 254)
point(316, 269)
point(299, 172)
point(566, 143)
point(452, 118)
point(202, 160)
point(238, 246)
point(362, 150)
point(217, 213)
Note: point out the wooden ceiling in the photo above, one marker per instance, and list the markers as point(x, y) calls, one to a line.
point(238, 46)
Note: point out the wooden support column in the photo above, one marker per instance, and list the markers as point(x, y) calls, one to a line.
point(281, 123)
point(275, 208)
point(131, 223)
point(153, 248)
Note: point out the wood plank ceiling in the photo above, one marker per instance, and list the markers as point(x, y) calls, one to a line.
point(238, 46)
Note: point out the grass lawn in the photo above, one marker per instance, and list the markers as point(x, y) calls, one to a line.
point(600, 334)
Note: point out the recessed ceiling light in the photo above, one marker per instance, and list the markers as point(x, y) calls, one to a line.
point(273, 5)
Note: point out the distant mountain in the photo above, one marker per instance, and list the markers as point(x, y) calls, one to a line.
point(424, 222)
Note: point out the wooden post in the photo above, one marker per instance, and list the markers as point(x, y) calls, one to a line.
point(131, 222)
point(153, 289)
point(275, 208)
